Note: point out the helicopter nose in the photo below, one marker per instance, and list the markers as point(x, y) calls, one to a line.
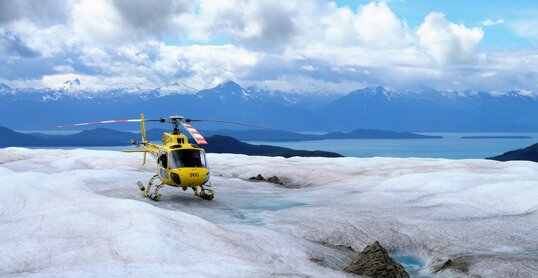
point(186, 177)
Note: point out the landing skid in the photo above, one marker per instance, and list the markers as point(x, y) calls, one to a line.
point(204, 193)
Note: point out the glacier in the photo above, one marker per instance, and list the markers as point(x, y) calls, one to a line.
point(79, 213)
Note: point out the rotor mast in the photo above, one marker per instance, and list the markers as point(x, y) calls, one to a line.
point(176, 122)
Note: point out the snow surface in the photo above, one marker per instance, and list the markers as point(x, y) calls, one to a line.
point(80, 213)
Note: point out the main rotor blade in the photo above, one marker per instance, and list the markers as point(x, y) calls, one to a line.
point(114, 121)
point(226, 122)
point(162, 120)
point(195, 134)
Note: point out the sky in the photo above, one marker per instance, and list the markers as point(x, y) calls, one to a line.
point(308, 45)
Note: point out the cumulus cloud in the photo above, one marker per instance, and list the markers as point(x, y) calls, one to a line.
point(260, 25)
point(378, 26)
point(274, 27)
point(447, 42)
point(97, 21)
point(153, 17)
point(45, 11)
point(201, 43)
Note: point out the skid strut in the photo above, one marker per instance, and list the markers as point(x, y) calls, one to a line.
point(204, 193)
point(155, 196)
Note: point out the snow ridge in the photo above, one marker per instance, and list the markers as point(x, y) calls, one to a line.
point(75, 212)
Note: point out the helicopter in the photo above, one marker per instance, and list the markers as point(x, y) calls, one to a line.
point(179, 163)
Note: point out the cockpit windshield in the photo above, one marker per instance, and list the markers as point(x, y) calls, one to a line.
point(187, 158)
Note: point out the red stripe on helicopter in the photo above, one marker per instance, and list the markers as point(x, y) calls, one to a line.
point(195, 134)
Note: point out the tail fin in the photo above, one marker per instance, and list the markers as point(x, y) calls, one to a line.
point(143, 127)
point(143, 133)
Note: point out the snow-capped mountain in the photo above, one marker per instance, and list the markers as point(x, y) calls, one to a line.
point(176, 88)
point(430, 110)
point(76, 89)
point(226, 91)
point(419, 109)
point(72, 85)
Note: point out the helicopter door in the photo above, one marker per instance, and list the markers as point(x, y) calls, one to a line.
point(163, 165)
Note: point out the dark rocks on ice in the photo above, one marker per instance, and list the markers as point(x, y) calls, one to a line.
point(459, 264)
point(259, 177)
point(273, 179)
point(374, 261)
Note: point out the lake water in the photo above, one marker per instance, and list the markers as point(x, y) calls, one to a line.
point(450, 146)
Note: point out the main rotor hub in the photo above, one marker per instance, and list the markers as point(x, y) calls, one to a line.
point(176, 121)
point(176, 118)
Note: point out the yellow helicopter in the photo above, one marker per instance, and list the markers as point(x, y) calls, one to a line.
point(179, 163)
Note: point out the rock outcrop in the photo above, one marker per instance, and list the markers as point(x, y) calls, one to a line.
point(459, 264)
point(374, 261)
point(259, 177)
point(275, 180)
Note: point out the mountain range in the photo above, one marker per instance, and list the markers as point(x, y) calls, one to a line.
point(283, 136)
point(110, 137)
point(420, 109)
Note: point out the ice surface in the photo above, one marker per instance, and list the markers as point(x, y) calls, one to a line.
point(79, 212)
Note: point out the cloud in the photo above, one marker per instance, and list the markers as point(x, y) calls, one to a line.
point(152, 17)
point(526, 29)
point(378, 26)
point(201, 43)
point(488, 22)
point(446, 42)
point(46, 12)
point(48, 41)
point(98, 22)
point(274, 27)
point(309, 68)
point(258, 25)
point(12, 46)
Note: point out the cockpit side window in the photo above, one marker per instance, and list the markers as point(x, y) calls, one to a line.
point(163, 160)
point(187, 158)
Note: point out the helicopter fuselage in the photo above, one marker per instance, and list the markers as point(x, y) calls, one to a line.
point(179, 163)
